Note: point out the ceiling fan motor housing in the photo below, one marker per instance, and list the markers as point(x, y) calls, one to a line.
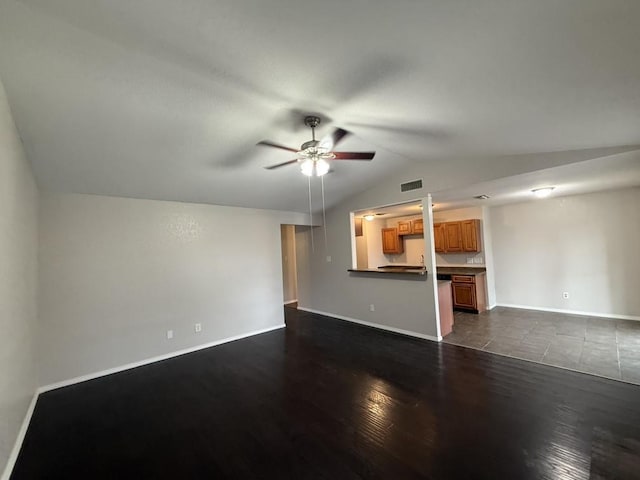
point(309, 144)
point(312, 121)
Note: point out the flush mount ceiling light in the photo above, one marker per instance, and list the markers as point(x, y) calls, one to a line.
point(369, 217)
point(482, 197)
point(542, 192)
point(313, 155)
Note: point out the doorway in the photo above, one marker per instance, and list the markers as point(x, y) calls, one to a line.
point(289, 266)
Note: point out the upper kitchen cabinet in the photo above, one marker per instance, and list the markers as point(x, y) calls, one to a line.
point(470, 235)
point(438, 237)
point(417, 226)
point(411, 227)
point(391, 241)
point(453, 237)
point(404, 228)
point(457, 237)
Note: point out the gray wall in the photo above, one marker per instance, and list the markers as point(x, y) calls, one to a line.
point(404, 304)
point(401, 304)
point(116, 274)
point(18, 281)
point(586, 245)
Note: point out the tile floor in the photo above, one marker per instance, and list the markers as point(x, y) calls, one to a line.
point(601, 346)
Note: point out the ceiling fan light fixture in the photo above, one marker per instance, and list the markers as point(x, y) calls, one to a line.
point(314, 167)
point(307, 167)
point(322, 167)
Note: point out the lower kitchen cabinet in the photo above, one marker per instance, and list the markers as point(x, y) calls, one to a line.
point(469, 292)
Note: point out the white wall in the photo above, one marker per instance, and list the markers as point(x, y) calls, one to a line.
point(18, 281)
point(290, 282)
point(116, 274)
point(372, 230)
point(586, 245)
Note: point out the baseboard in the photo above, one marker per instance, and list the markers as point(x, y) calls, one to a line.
point(571, 312)
point(491, 307)
point(13, 456)
point(373, 325)
point(289, 302)
point(147, 361)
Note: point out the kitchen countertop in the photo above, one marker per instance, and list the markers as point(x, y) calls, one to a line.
point(460, 270)
point(391, 270)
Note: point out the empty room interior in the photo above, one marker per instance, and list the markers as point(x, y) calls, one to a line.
point(350, 240)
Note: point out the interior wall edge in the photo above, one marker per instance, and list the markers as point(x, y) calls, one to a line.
point(13, 456)
point(373, 325)
point(571, 312)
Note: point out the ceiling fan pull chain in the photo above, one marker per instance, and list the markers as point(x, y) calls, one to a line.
point(324, 219)
point(313, 247)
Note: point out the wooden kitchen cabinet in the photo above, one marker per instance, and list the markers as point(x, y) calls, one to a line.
point(438, 238)
point(417, 226)
point(453, 237)
point(469, 292)
point(404, 228)
point(411, 227)
point(391, 241)
point(470, 234)
point(457, 237)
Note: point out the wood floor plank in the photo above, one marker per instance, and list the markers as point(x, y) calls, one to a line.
point(327, 399)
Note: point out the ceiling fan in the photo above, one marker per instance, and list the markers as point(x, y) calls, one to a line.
point(313, 155)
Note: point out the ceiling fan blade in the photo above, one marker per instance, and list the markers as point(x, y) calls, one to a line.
point(267, 143)
point(354, 155)
point(278, 165)
point(330, 141)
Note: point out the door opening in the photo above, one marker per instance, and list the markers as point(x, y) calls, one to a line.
point(289, 267)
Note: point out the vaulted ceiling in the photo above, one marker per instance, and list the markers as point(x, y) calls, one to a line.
point(166, 100)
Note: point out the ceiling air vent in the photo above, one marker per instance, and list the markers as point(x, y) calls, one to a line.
point(412, 185)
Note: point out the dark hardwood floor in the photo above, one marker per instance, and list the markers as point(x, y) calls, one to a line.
point(328, 399)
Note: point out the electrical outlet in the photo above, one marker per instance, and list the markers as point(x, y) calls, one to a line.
point(565, 295)
point(469, 259)
point(328, 258)
point(169, 334)
point(372, 308)
point(197, 327)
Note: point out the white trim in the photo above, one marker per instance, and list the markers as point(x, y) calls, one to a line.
point(571, 312)
point(13, 456)
point(491, 307)
point(147, 361)
point(374, 325)
point(289, 302)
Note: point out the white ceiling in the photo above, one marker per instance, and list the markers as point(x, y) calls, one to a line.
point(605, 173)
point(166, 100)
